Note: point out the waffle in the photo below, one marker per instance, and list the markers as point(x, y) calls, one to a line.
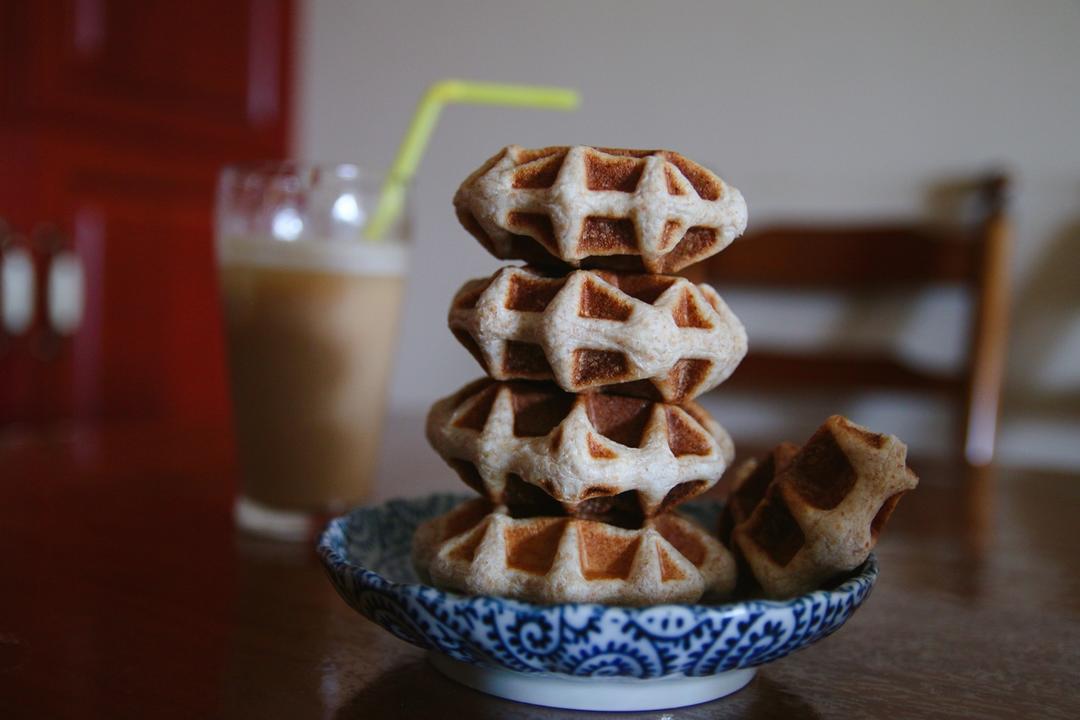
point(748, 485)
point(651, 210)
point(652, 336)
point(824, 510)
point(597, 456)
point(480, 549)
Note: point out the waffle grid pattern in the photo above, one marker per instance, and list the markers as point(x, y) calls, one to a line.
point(653, 336)
point(600, 207)
point(578, 448)
point(482, 550)
point(822, 512)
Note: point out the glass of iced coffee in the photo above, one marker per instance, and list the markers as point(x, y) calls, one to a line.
point(311, 311)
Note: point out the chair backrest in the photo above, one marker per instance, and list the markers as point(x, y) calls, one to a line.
point(852, 258)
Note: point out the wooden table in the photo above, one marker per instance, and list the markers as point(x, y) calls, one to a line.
point(126, 592)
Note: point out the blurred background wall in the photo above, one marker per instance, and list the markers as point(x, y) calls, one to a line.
point(841, 109)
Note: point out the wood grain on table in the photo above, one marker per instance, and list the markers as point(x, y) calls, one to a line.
point(126, 592)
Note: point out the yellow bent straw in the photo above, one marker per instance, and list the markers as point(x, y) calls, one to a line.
point(392, 198)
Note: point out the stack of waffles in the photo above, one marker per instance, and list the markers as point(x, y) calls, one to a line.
point(584, 436)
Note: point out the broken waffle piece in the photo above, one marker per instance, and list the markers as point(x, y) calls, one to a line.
point(653, 336)
point(749, 482)
point(599, 456)
point(637, 210)
point(824, 509)
point(480, 549)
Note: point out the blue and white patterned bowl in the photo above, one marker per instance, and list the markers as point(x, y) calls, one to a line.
point(367, 556)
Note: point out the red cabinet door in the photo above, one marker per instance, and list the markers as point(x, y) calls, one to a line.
point(115, 116)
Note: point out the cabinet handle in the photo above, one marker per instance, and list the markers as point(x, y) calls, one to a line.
point(47, 342)
point(18, 288)
point(66, 292)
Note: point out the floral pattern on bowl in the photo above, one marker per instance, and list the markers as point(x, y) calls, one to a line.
point(367, 556)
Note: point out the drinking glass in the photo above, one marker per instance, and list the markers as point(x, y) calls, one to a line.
point(311, 312)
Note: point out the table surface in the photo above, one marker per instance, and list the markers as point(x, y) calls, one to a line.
point(126, 592)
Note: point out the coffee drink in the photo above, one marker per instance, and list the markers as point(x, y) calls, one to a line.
point(310, 330)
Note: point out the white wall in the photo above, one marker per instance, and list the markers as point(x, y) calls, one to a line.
point(841, 108)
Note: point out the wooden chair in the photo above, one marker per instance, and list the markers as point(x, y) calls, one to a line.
point(854, 258)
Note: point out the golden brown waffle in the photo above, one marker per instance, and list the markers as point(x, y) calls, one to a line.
point(651, 210)
point(595, 455)
point(823, 511)
point(749, 482)
point(480, 549)
point(653, 336)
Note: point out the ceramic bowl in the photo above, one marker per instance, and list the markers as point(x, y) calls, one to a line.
point(572, 655)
